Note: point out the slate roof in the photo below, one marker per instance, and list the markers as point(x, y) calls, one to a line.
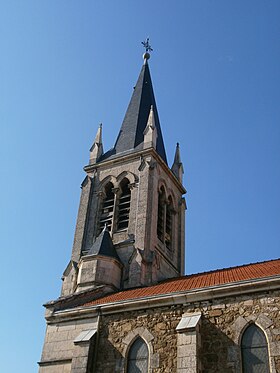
point(131, 137)
point(103, 245)
point(197, 281)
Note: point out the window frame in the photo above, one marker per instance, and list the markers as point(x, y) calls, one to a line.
point(130, 350)
point(252, 348)
point(124, 183)
point(165, 213)
point(117, 192)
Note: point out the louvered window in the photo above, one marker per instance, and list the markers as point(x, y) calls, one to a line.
point(168, 224)
point(161, 215)
point(254, 351)
point(124, 205)
point(107, 211)
point(138, 357)
point(165, 219)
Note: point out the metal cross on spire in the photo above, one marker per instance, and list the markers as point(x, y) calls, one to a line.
point(147, 45)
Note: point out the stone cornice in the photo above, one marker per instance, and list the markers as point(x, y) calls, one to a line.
point(136, 155)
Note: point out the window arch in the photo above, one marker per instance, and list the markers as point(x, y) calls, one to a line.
point(107, 209)
point(138, 357)
point(254, 351)
point(124, 205)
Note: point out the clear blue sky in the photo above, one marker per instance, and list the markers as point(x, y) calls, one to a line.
point(68, 65)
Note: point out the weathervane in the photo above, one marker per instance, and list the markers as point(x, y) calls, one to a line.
point(147, 45)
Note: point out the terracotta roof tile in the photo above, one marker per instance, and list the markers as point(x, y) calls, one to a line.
point(197, 281)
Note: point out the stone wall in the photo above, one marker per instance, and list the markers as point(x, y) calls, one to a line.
point(215, 342)
point(116, 329)
point(222, 324)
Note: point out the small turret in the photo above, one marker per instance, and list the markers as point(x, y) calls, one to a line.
point(97, 148)
point(177, 167)
point(100, 265)
point(150, 132)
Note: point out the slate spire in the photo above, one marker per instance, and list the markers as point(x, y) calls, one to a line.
point(131, 135)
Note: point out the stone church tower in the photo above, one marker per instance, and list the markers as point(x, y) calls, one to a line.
point(130, 226)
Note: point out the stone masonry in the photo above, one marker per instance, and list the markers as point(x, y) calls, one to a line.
point(213, 347)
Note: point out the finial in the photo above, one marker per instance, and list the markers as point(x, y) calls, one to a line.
point(148, 49)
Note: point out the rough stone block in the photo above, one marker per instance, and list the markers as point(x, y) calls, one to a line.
point(264, 321)
point(155, 361)
point(215, 313)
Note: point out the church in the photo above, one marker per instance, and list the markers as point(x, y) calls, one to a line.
point(126, 304)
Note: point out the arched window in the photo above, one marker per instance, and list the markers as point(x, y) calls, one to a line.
point(107, 210)
point(254, 351)
point(161, 215)
point(165, 219)
point(138, 357)
point(168, 224)
point(124, 205)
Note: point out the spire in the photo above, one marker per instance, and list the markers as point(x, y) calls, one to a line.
point(131, 135)
point(97, 148)
point(103, 245)
point(177, 167)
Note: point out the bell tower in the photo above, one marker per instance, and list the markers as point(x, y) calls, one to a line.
point(130, 226)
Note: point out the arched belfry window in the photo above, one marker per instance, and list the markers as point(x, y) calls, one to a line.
point(168, 224)
point(161, 214)
point(124, 205)
point(254, 351)
point(107, 210)
point(165, 219)
point(138, 357)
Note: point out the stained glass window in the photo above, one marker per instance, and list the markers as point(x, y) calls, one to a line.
point(254, 351)
point(138, 357)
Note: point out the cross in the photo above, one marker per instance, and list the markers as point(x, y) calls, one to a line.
point(147, 45)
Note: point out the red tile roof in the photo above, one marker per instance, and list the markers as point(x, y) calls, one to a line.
point(196, 281)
